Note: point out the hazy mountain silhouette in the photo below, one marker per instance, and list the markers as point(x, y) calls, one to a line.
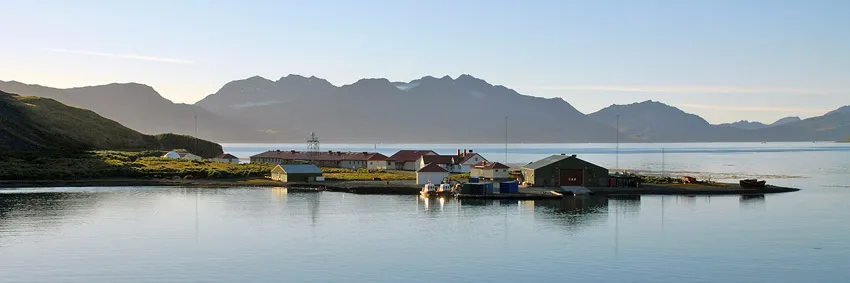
point(747, 125)
point(656, 121)
point(429, 109)
point(141, 108)
point(786, 120)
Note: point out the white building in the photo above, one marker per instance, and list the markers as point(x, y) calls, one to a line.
point(407, 159)
point(377, 162)
point(226, 158)
point(460, 163)
point(181, 155)
point(431, 173)
point(492, 171)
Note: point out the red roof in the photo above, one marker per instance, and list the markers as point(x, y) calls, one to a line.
point(409, 155)
point(321, 156)
point(377, 157)
point(493, 165)
point(432, 167)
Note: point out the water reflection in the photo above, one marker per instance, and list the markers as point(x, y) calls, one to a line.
point(573, 213)
point(44, 210)
point(752, 201)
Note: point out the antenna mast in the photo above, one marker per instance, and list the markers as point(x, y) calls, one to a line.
point(313, 147)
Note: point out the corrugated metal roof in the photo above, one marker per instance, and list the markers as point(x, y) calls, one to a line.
point(546, 161)
point(301, 169)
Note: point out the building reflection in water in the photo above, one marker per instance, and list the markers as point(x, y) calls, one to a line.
point(752, 201)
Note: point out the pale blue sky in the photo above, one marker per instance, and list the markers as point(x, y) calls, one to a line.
point(723, 60)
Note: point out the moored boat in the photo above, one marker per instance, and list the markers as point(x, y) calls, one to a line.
point(431, 190)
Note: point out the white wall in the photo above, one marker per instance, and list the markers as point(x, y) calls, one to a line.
point(436, 177)
point(352, 164)
point(411, 166)
point(494, 173)
point(377, 165)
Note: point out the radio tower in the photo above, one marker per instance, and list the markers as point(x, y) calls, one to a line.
point(313, 147)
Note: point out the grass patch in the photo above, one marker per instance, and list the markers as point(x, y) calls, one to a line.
point(367, 175)
point(118, 164)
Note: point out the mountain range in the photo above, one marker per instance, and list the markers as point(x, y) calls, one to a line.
point(427, 110)
point(748, 125)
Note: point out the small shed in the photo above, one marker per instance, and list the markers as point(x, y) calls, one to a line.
point(301, 173)
point(226, 158)
point(431, 173)
point(564, 170)
point(490, 170)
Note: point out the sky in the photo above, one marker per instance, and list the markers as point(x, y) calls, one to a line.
point(723, 60)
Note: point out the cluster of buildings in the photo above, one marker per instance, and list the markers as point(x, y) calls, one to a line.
point(553, 171)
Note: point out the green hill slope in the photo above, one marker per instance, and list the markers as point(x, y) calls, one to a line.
point(35, 123)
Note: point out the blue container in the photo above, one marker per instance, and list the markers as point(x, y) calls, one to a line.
point(473, 179)
point(506, 187)
point(488, 188)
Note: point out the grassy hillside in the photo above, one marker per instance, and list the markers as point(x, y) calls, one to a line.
point(35, 123)
point(64, 165)
point(847, 139)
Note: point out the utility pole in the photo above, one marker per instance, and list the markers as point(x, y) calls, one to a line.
point(663, 171)
point(196, 131)
point(618, 144)
point(506, 140)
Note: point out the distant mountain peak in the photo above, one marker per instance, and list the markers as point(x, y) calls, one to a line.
point(786, 120)
point(841, 109)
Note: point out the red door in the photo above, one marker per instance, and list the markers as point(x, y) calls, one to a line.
point(571, 177)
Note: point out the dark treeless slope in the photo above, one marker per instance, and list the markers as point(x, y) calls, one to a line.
point(140, 107)
point(37, 123)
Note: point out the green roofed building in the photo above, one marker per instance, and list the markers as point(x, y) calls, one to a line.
point(564, 170)
point(297, 173)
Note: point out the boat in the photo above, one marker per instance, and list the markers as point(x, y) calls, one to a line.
point(431, 190)
point(305, 189)
point(752, 183)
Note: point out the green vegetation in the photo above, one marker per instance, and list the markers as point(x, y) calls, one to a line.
point(117, 164)
point(847, 139)
point(35, 123)
point(658, 180)
point(463, 177)
point(367, 175)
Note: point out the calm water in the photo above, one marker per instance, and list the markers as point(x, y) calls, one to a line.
point(271, 235)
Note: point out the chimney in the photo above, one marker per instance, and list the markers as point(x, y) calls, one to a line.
point(470, 151)
point(458, 151)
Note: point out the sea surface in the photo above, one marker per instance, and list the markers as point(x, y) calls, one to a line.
point(152, 234)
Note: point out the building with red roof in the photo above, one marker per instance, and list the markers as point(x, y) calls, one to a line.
point(461, 162)
point(431, 173)
point(335, 159)
point(407, 159)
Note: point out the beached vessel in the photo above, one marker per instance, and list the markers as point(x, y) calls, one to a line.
point(752, 183)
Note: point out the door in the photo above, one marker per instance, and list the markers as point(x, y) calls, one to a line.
point(572, 177)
